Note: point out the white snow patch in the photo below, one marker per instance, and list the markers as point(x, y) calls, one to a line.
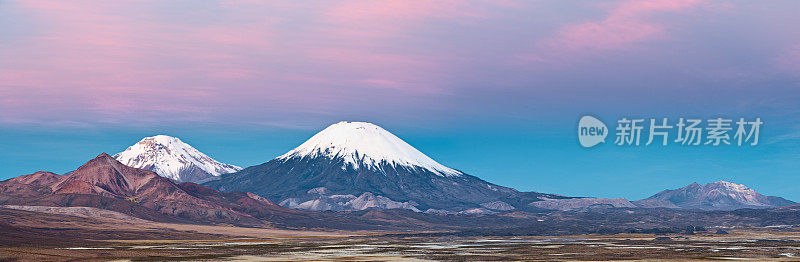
point(360, 143)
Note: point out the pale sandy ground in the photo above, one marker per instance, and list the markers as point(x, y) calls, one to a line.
point(229, 243)
point(279, 245)
point(248, 232)
point(738, 246)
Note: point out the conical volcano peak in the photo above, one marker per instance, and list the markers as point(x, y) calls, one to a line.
point(356, 166)
point(104, 159)
point(103, 155)
point(163, 139)
point(366, 144)
point(172, 158)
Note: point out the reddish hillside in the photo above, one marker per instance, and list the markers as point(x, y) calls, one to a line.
point(39, 179)
point(106, 183)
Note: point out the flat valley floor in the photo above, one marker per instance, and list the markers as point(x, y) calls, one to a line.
point(759, 245)
point(36, 236)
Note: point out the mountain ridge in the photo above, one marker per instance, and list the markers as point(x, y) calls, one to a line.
point(720, 195)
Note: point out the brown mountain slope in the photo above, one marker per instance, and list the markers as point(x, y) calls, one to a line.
point(39, 179)
point(106, 183)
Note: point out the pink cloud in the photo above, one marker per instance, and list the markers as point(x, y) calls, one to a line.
point(120, 60)
point(627, 24)
point(394, 15)
point(409, 73)
point(624, 27)
point(358, 29)
point(107, 59)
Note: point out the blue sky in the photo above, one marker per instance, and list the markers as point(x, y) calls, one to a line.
point(492, 88)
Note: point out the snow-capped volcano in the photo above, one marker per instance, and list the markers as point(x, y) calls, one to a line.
point(365, 144)
point(357, 165)
point(720, 195)
point(172, 158)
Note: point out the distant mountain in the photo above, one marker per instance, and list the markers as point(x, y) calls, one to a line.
point(108, 184)
point(358, 165)
point(172, 158)
point(719, 195)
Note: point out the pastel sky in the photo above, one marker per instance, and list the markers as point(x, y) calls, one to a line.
point(493, 88)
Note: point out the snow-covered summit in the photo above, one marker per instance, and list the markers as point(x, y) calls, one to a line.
point(731, 186)
point(366, 144)
point(172, 158)
point(738, 192)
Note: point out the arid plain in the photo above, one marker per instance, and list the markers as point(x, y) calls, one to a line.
point(60, 235)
